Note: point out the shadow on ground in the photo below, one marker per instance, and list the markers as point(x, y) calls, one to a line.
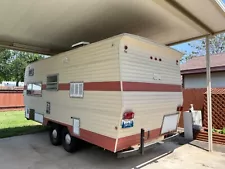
point(204, 145)
point(16, 131)
point(92, 153)
point(35, 151)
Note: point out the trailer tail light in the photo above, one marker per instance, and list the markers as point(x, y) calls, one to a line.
point(179, 108)
point(128, 120)
point(128, 115)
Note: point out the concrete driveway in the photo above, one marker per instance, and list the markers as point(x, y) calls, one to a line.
point(36, 152)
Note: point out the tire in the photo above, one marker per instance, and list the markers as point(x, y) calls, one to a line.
point(55, 133)
point(70, 143)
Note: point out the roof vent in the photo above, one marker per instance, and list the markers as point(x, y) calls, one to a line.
point(80, 44)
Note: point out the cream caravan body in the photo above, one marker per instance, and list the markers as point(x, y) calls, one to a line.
point(105, 92)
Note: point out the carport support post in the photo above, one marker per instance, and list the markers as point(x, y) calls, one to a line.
point(209, 99)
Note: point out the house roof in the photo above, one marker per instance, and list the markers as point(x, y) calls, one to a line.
point(198, 64)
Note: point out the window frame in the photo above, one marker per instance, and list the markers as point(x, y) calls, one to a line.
point(77, 96)
point(31, 72)
point(51, 75)
point(36, 95)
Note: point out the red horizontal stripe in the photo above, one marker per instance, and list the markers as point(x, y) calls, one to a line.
point(43, 86)
point(102, 86)
point(127, 86)
point(64, 86)
point(94, 86)
point(159, 87)
point(132, 140)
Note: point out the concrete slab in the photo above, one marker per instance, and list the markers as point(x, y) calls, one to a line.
point(204, 145)
point(36, 152)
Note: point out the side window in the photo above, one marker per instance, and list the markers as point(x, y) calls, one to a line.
point(52, 82)
point(77, 89)
point(34, 89)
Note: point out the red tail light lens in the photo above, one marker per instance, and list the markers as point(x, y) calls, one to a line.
point(128, 115)
point(180, 108)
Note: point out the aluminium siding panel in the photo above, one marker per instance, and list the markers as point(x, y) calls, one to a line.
point(199, 80)
point(136, 66)
point(35, 102)
point(149, 109)
point(94, 62)
point(99, 111)
point(141, 68)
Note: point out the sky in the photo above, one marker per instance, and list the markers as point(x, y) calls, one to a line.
point(184, 46)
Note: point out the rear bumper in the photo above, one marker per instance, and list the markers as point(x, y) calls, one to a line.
point(143, 146)
point(168, 125)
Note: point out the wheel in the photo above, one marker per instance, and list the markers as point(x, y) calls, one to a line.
point(70, 143)
point(55, 135)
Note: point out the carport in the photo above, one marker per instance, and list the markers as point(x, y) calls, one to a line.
point(53, 26)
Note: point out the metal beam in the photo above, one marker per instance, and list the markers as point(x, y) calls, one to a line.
point(188, 14)
point(208, 71)
point(28, 48)
point(186, 40)
point(195, 38)
point(166, 5)
point(185, 12)
point(209, 98)
point(220, 6)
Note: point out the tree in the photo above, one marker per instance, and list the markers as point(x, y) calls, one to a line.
point(13, 64)
point(186, 56)
point(19, 62)
point(217, 45)
point(198, 47)
point(5, 56)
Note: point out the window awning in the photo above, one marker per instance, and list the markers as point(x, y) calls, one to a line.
point(51, 26)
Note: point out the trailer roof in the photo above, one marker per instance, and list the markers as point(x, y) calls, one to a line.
point(53, 26)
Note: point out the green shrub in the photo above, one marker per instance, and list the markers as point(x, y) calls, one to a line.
point(223, 131)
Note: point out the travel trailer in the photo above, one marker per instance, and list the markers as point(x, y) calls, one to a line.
point(106, 93)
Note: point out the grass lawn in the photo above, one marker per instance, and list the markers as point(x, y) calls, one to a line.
point(14, 123)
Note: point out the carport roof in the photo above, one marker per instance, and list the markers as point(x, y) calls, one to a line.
point(52, 26)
